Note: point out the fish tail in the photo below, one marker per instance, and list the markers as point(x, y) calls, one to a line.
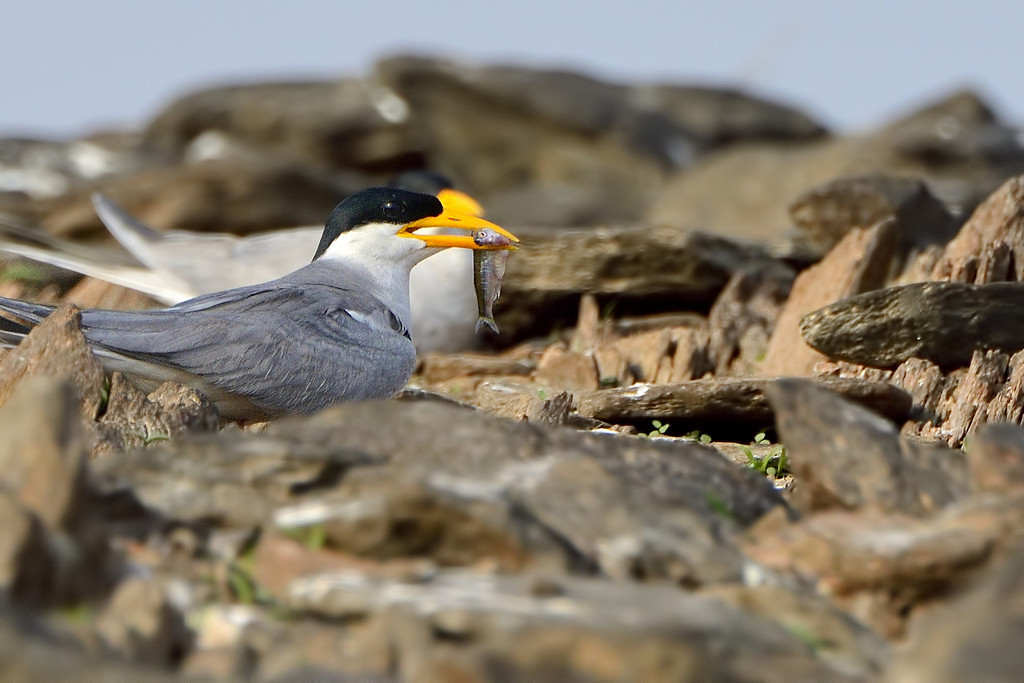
point(483, 322)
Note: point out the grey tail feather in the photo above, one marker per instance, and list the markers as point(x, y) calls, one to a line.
point(482, 322)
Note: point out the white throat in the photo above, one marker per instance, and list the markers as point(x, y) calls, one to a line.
point(384, 259)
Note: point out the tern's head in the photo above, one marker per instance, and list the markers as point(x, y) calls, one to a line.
point(385, 224)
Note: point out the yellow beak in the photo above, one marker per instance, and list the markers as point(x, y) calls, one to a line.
point(460, 201)
point(451, 218)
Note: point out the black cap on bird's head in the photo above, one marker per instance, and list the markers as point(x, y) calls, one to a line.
point(408, 212)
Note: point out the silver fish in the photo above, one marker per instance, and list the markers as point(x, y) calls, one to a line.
point(488, 270)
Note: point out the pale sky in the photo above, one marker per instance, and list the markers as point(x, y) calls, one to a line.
point(69, 67)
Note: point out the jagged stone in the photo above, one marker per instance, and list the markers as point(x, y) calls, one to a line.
point(55, 348)
point(944, 322)
point(846, 457)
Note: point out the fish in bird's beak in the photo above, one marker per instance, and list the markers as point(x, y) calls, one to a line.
point(460, 220)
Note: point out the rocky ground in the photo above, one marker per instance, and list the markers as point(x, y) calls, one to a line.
point(754, 415)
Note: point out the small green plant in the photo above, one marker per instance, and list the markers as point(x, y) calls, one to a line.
point(659, 430)
point(697, 435)
point(242, 583)
point(542, 394)
point(314, 537)
point(773, 463)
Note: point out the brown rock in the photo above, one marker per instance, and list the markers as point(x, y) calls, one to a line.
point(976, 636)
point(140, 624)
point(630, 265)
point(26, 567)
point(827, 212)
point(724, 400)
point(995, 458)
point(335, 124)
point(879, 567)
point(171, 410)
point(859, 263)
point(213, 196)
point(741, 321)
point(691, 359)
point(591, 630)
point(744, 191)
point(438, 367)
point(844, 456)
point(56, 348)
point(43, 450)
point(990, 241)
point(525, 401)
point(643, 354)
point(561, 369)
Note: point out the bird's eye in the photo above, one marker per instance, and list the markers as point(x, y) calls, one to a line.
point(392, 209)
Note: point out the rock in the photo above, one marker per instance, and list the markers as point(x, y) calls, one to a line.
point(348, 123)
point(213, 196)
point(31, 650)
point(990, 245)
point(203, 478)
point(742, 319)
point(716, 117)
point(53, 553)
point(845, 643)
point(879, 568)
point(27, 568)
point(55, 348)
point(717, 401)
point(949, 408)
point(477, 445)
point(493, 493)
point(528, 401)
point(960, 128)
point(975, 636)
point(558, 129)
point(826, 213)
point(170, 411)
point(995, 458)
point(844, 456)
point(42, 454)
point(944, 322)
point(646, 356)
point(140, 624)
point(439, 367)
point(580, 632)
point(630, 266)
point(744, 192)
point(46, 168)
point(639, 540)
point(859, 263)
point(558, 367)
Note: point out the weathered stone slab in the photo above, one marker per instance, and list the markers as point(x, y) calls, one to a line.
point(944, 322)
point(735, 399)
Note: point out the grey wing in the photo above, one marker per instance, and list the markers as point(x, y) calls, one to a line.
point(287, 349)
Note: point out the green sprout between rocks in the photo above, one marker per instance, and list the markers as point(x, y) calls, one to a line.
point(773, 463)
point(659, 430)
point(697, 435)
point(313, 537)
